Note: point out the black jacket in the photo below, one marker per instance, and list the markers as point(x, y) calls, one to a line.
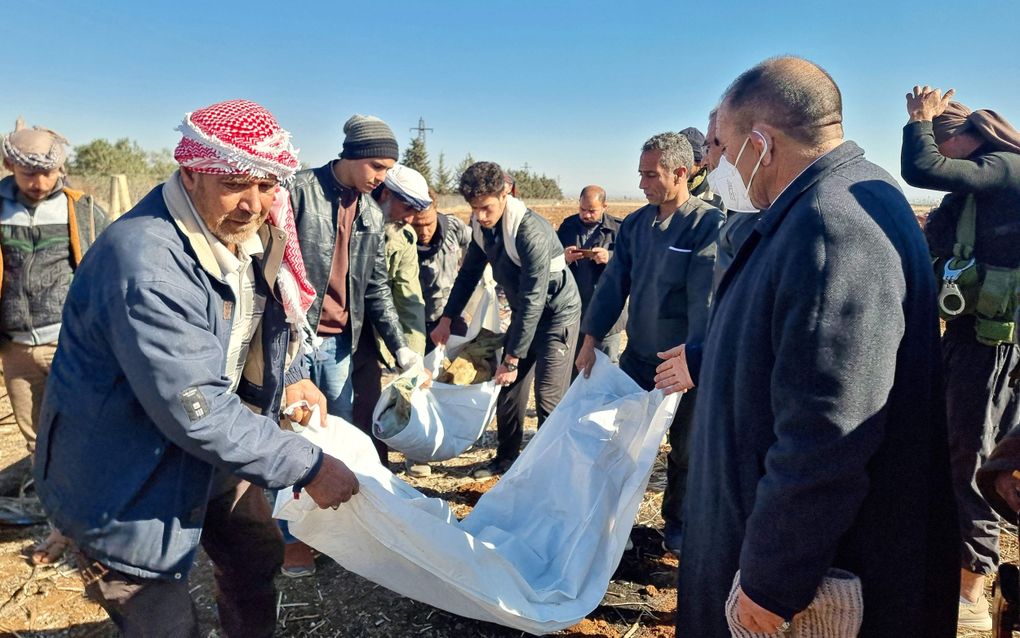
point(819, 436)
point(586, 272)
point(314, 195)
point(992, 176)
point(536, 295)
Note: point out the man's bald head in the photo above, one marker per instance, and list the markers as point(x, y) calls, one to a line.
point(795, 96)
point(596, 192)
point(591, 204)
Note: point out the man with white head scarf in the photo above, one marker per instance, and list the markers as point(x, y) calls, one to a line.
point(47, 228)
point(160, 426)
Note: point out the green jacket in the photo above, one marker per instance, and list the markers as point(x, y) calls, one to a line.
point(402, 276)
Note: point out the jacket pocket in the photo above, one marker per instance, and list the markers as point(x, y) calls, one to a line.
point(674, 264)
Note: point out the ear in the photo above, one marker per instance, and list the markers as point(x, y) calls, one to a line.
point(681, 173)
point(8, 165)
point(188, 179)
point(763, 140)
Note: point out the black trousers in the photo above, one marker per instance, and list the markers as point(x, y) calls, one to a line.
point(246, 548)
point(678, 460)
point(549, 362)
point(980, 408)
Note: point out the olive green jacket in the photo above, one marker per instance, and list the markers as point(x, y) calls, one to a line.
point(402, 276)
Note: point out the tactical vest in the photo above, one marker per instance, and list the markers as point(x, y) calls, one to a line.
point(968, 287)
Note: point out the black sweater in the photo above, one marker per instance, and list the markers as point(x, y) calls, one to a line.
point(992, 176)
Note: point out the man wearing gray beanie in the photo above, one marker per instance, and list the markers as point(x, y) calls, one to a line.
point(340, 230)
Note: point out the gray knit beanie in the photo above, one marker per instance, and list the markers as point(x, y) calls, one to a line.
point(368, 136)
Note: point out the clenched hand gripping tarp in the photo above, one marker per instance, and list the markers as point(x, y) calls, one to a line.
point(446, 419)
point(538, 550)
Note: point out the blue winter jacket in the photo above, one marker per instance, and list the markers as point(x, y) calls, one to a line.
point(138, 427)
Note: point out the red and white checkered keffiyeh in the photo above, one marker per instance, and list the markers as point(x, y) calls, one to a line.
point(301, 295)
point(242, 137)
point(236, 136)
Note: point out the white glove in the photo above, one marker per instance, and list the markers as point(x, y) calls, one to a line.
point(408, 358)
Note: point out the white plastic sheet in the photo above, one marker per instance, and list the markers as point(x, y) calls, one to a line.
point(538, 550)
point(446, 419)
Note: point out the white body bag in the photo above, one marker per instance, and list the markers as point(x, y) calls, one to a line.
point(538, 550)
point(446, 419)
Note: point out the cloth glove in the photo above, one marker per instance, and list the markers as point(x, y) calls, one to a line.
point(408, 358)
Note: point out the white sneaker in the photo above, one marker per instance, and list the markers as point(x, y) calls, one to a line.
point(417, 469)
point(974, 616)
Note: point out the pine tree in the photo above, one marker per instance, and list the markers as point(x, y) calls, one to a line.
point(416, 157)
point(443, 182)
point(533, 186)
point(463, 166)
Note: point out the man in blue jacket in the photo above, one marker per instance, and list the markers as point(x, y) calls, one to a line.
point(160, 426)
point(819, 432)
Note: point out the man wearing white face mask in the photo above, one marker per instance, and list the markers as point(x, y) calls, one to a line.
point(740, 212)
point(819, 438)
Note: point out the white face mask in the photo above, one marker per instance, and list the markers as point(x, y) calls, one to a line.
point(726, 181)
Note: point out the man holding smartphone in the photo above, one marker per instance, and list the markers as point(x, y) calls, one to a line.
point(588, 239)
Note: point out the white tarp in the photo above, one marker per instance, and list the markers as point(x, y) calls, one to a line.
point(538, 550)
point(446, 419)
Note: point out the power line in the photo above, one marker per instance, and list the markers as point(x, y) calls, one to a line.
point(421, 130)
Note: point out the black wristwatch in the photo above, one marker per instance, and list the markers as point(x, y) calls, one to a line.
point(510, 367)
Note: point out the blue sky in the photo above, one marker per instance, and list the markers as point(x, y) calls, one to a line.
point(571, 88)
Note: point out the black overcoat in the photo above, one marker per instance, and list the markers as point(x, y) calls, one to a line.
point(819, 436)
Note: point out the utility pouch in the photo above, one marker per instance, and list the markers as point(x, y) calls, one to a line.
point(992, 333)
point(968, 287)
point(997, 297)
point(996, 305)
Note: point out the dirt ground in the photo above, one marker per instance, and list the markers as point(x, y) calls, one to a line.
point(639, 603)
point(49, 601)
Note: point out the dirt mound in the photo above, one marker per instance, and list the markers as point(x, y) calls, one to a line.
point(591, 628)
point(469, 493)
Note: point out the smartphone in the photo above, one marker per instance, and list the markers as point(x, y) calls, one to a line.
point(587, 254)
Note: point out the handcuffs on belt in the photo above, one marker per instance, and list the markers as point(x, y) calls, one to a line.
point(950, 291)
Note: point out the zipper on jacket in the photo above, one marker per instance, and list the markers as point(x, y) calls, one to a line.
point(29, 262)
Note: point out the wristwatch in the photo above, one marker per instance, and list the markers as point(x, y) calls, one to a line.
point(510, 367)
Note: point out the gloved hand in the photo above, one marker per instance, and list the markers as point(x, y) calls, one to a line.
point(408, 358)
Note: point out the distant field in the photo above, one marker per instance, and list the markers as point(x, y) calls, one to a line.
point(555, 211)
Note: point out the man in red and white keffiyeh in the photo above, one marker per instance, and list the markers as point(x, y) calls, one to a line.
point(181, 339)
point(241, 138)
